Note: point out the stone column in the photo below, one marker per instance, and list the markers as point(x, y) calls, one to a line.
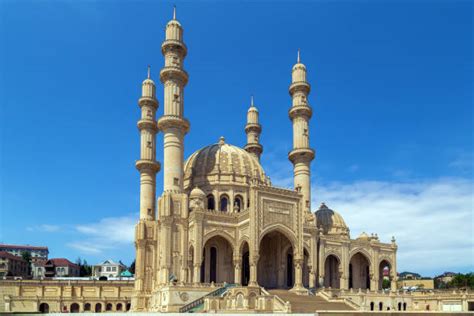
point(253, 271)
point(237, 271)
point(196, 273)
point(298, 264)
point(312, 277)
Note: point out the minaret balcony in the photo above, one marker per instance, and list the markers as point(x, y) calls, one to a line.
point(299, 86)
point(300, 110)
point(173, 121)
point(171, 72)
point(252, 127)
point(144, 101)
point(301, 155)
point(255, 148)
point(147, 124)
point(174, 44)
point(145, 164)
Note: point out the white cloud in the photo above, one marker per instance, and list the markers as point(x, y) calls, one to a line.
point(109, 233)
point(44, 228)
point(431, 220)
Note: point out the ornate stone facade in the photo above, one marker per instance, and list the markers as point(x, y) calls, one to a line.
point(220, 220)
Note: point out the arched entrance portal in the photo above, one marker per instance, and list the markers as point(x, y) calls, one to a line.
point(245, 264)
point(331, 272)
point(384, 275)
point(217, 264)
point(74, 308)
point(275, 265)
point(359, 272)
point(44, 308)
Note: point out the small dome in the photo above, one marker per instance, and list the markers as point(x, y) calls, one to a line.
point(220, 163)
point(252, 109)
point(330, 221)
point(148, 81)
point(363, 236)
point(299, 66)
point(197, 193)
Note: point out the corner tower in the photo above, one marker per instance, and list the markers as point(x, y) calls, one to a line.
point(300, 113)
point(253, 130)
point(173, 124)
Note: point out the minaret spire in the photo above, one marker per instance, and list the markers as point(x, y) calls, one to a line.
point(253, 130)
point(174, 12)
point(148, 76)
point(298, 58)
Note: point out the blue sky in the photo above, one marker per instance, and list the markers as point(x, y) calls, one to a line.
point(392, 97)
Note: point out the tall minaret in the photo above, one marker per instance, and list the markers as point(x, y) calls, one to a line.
point(173, 125)
point(253, 130)
point(147, 165)
point(300, 114)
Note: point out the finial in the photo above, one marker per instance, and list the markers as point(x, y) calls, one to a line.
point(298, 59)
point(251, 100)
point(148, 72)
point(174, 12)
point(221, 140)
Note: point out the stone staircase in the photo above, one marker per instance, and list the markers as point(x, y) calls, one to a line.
point(309, 303)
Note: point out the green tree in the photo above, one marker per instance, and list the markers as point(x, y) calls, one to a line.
point(26, 255)
point(84, 268)
point(385, 284)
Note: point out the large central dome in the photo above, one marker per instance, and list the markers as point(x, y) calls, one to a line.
point(222, 163)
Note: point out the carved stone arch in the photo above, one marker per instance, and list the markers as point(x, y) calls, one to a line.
point(333, 253)
point(241, 244)
point(363, 252)
point(223, 234)
point(385, 258)
point(287, 232)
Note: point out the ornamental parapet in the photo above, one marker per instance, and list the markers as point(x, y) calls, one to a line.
point(301, 155)
point(144, 164)
point(174, 44)
point(147, 124)
point(143, 101)
point(172, 72)
point(173, 121)
point(300, 110)
point(299, 86)
point(253, 127)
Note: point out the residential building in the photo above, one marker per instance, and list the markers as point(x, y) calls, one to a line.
point(108, 269)
point(11, 265)
point(60, 267)
point(37, 252)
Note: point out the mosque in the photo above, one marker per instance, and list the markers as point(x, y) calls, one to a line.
point(220, 221)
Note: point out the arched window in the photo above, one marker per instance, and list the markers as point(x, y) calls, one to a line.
point(118, 307)
point(98, 308)
point(211, 204)
point(224, 203)
point(108, 307)
point(238, 203)
point(380, 306)
point(399, 306)
point(372, 306)
point(404, 306)
point(87, 307)
point(128, 306)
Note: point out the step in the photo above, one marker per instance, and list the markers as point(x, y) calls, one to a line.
point(309, 303)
